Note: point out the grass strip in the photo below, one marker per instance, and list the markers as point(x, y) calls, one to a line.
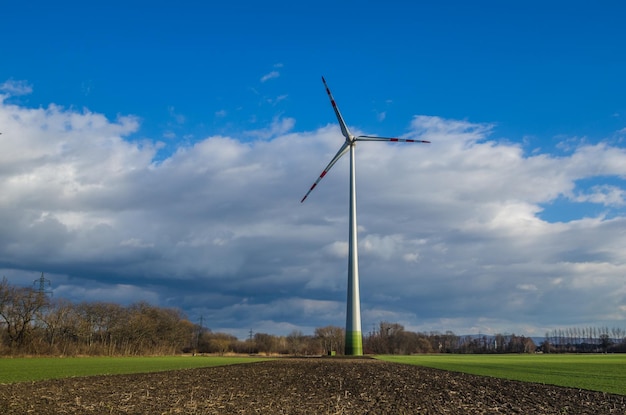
point(14, 370)
point(598, 372)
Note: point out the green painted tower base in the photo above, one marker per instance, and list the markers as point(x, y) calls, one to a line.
point(354, 344)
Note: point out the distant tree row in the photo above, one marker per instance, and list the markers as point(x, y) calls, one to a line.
point(392, 338)
point(585, 340)
point(324, 341)
point(31, 323)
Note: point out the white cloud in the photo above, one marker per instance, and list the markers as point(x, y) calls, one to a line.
point(278, 127)
point(411, 257)
point(338, 249)
point(604, 194)
point(16, 88)
point(527, 287)
point(178, 118)
point(271, 75)
point(274, 101)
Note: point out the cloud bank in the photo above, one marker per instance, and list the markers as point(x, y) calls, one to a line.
point(452, 235)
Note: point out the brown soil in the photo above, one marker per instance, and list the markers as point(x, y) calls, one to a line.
point(302, 386)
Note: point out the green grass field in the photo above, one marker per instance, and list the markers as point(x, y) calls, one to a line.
point(38, 368)
point(606, 373)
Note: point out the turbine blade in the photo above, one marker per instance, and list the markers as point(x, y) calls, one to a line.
point(342, 124)
point(344, 148)
point(391, 139)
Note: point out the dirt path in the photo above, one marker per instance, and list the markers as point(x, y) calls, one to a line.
point(301, 386)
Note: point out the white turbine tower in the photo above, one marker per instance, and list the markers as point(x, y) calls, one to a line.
point(354, 338)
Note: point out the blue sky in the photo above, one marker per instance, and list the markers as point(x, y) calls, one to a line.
point(158, 151)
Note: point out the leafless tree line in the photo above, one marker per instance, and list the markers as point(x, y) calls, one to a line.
point(32, 324)
point(585, 339)
point(392, 338)
point(325, 340)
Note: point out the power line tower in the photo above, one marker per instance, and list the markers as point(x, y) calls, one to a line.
point(199, 333)
point(250, 341)
point(41, 284)
point(42, 296)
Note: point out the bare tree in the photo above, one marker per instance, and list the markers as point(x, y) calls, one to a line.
point(58, 323)
point(297, 343)
point(265, 343)
point(18, 308)
point(331, 338)
point(221, 342)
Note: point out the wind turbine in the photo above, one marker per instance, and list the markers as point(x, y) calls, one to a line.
point(354, 338)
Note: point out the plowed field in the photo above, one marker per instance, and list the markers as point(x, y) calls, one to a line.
point(302, 386)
